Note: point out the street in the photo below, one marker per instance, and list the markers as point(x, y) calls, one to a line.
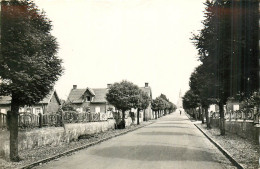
point(171, 142)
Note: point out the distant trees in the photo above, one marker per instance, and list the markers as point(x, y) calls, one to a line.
point(143, 103)
point(126, 95)
point(228, 49)
point(162, 104)
point(29, 66)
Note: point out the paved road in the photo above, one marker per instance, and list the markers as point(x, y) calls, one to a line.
point(171, 142)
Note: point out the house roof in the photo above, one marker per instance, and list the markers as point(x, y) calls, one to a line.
point(100, 95)
point(76, 95)
point(45, 100)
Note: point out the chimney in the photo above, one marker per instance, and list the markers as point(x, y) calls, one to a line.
point(108, 85)
point(146, 85)
point(74, 86)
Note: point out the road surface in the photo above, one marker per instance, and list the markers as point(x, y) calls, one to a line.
point(171, 142)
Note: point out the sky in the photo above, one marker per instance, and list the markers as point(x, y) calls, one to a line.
point(107, 41)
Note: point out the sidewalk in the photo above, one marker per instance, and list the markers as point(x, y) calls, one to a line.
point(245, 152)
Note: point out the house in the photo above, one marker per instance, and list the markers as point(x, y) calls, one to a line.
point(148, 112)
point(93, 99)
point(50, 104)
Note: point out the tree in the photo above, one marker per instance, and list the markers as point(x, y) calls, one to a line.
point(173, 107)
point(166, 103)
point(201, 84)
point(29, 66)
point(161, 105)
point(124, 96)
point(190, 102)
point(157, 106)
point(143, 103)
point(227, 40)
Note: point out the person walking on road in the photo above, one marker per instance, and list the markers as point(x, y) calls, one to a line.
point(180, 112)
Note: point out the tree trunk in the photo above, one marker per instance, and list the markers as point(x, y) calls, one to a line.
point(138, 113)
point(202, 115)
point(195, 112)
point(13, 127)
point(222, 119)
point(123, 119)
point(40, 120)
point(207, 118)
point(144, 119)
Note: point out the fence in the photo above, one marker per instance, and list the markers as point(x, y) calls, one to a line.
point(75, 117)
point(245, 114)
point(29, 120)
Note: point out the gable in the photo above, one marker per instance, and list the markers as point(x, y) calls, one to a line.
point(51, 95)
point(78, 95)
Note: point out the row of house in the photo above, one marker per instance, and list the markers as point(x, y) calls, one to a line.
point(50, 104)
point(93, 99)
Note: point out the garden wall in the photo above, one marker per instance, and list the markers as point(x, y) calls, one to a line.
point(242, 128)
point(53, 136)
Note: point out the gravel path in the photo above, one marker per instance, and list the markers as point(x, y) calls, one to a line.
point(246, 152)
point(39, 153)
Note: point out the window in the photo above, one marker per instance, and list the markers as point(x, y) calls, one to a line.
point(88, 98)
point(38, 110)
point(97, 109)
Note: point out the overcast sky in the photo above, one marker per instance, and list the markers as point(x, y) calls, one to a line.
point(107, 41)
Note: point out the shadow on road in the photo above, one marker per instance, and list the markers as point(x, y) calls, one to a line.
point(168, 120)
point(166, 133)
point(173, 123)
point(169, 127)
point(154, 153)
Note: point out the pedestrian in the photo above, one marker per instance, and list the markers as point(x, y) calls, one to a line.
point(180, 112)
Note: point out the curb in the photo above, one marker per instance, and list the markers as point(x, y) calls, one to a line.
point(187, 115)
point(78, 148)
point(223, 151)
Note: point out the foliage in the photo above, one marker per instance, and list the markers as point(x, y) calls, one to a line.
point(29, 66)
point(162, 103)
point(123, 95)
point(201, 84)
point(190, 100)
point(228, 49)
point(227, 40)
point(252, 101)
point(144, 100)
